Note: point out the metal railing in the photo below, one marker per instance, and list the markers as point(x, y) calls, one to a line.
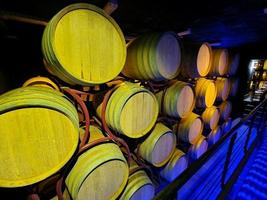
point(172, 189)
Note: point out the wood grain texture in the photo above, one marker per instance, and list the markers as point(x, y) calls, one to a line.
point(36, 143)
point(99, 173)
point(190, 128)
point(83, 45)
point(211, 117)
point(176, 165)
point(196, 60)
point(132, 110)
point(158, 146)
point(223, 88)
point(220, 62)
point(178, 100)
point(206, 92)
point(198, 149)
point(153, 56)
point(139, 186)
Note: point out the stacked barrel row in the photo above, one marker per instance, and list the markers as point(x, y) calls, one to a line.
point(164, 97)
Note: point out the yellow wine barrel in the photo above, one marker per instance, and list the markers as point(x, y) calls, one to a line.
point(178, 100)
point(206, 93)
point(132, 110)
point(198, 149)
point(220, 62)
point(233, 63)
point(153, 56)
point(234, 86)
point(39, 134)
point(226, 126)
point(264, 76)
point(223, 88)
point(214, 135)
point(40, 81)
point(83, 45)
point(211, 117)
point(196, 60)
point(99, 173)
point(189, 129)
point(139, 186)
point(158, 146)
point(225, 109)
point(176, 165)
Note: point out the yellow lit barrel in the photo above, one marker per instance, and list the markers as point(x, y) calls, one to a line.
point(196, 60)
point(225, 109)
point(226, 126)
point(83, 45)
point(139, 186)
point(39, 134)
point(214, 135)
point(132, 110)
point(40, 81)
point(176, 165)
point(198, 149)
point(264, 76)
point(99, 173)
point(206, 92)
point(211, 117)
point(153, 56)
point(233, 63)
point(177, 100)
point(220, 62)
point(158, 146)
point(223, 88)
point(189, 129)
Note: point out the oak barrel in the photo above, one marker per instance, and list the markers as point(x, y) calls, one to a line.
point(177, 100)
point(225, 109)
point(223, 88)
point(153, 56)
point(211, 117)
point(83, 45)
point(158, 146)
point(198, 149)
point(220, 62)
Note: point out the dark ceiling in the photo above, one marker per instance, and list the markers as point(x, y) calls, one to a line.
point(228, 23)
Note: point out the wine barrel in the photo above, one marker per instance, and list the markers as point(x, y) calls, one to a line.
point(220, 62)
point(40, 81)
point(158, 146)
point(176, 165)
point(226, 126)
point(198, 149)
point(196, 60)
point(206, 93)
point(99, 173)
point(177, 100)
point(131, 110)
point(233, 63)
point(225, 109)
point(234, 82)
point(39, 134)
point(214, 135)
point(223, 88)
point(139, 185)
point(83, 45)
point(211, 117)
point(189, 129)
point(264, 76)
point(153, 56)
